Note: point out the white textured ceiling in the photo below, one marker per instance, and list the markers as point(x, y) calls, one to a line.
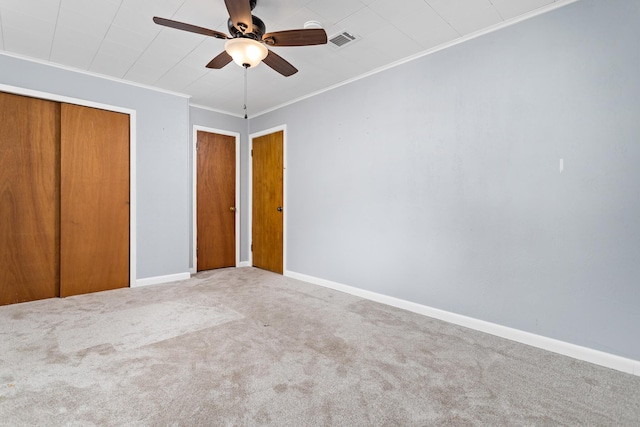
point(117, 38)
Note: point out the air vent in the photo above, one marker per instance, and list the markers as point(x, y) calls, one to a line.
point(340, 40)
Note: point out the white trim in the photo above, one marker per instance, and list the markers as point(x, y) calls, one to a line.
point(250, 203)
point(133, 195)
point(555, 5)
point(597, 357)
point(62, 98)
point(244, 264)
point(161, 279)
point(92, 74)
point(215, 110)
point(268, 131)
point(282, 128)
point(132, 157)
point(194, 142)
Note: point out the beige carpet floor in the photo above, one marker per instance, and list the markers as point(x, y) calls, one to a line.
point(248, 347)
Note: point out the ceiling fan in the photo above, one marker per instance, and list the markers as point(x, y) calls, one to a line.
point(248, 43)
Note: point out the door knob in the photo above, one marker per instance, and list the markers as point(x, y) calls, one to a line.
point(279, 208)
point(232, 208)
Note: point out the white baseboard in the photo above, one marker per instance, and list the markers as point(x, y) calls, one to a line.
point(586, 354)
point(161, 279)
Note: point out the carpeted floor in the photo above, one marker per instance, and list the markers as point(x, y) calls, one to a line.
point(248, 347)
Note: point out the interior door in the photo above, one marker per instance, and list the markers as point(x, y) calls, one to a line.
point(267, 211)
point(29, 198)
point(94, 218)
point(216, 206)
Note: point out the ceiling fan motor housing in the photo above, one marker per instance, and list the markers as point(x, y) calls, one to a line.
point(258, 29)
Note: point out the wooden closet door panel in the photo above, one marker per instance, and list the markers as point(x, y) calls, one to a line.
point(216, 201)
point(29, 198)
point(94, 241)
point(267, 216)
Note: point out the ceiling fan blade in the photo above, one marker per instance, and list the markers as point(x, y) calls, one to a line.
point(188, 27)
point(220, 61)
point(306, 37)
point(279, 64)
point(240, 14)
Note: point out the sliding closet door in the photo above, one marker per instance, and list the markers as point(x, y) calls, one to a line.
point(94, 241)
point(29, 198)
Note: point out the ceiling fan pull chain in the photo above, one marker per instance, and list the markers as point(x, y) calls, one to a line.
point(245, 104)
point(245, 92)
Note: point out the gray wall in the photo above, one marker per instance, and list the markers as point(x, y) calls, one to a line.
point(438, 181)
point(214, 120)
point(163, 181)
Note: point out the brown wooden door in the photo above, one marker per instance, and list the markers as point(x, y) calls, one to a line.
point(29, 198)
point(94, 240)
point(267, 216)
point(216, 206)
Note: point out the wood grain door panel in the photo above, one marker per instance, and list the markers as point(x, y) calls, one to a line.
point(216, 206)
point(29, 198)
point(267, 216)
point(94, 242)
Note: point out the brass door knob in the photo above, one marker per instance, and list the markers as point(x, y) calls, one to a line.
point(279, 208)
point(232, 208)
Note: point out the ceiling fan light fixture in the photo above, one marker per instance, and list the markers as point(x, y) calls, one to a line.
point(246, 52)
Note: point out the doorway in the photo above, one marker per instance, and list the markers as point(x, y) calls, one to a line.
point(267, 198)
point(215, 199)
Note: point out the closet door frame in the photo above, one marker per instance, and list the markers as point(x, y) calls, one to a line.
point(194, 192)
point(264, 132)
point(132, 156)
